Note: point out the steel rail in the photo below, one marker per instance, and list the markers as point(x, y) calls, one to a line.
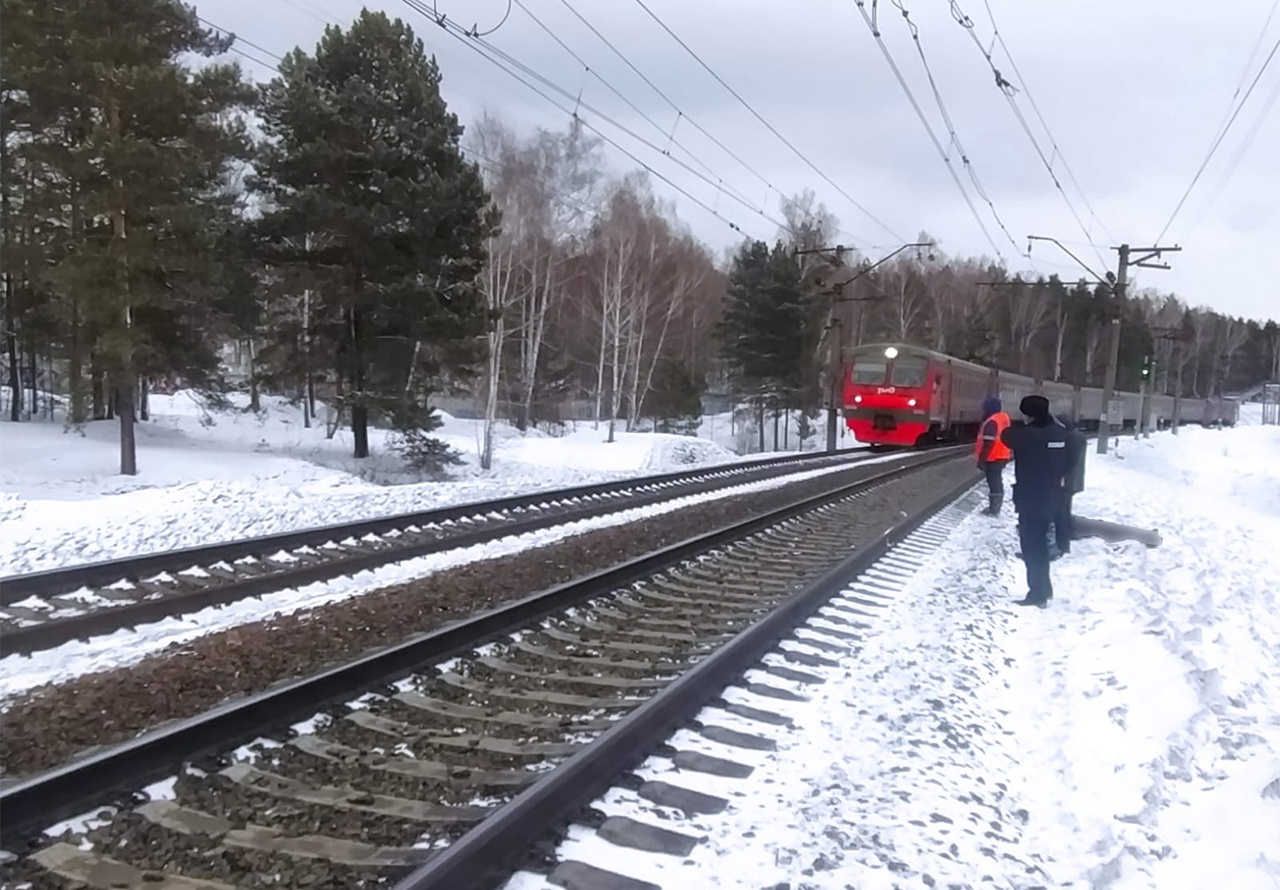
point(34, 802)
point(14, 588)
point(107, 619)
point(483, 857)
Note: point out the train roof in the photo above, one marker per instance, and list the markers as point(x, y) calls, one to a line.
point(931, 353)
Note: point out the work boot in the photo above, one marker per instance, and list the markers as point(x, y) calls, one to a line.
point(1029, 601)
point(993, 505)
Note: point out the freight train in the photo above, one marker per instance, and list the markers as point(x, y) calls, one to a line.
point(903, 395)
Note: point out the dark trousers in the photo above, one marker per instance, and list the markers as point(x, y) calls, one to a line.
point(1063, 529)
point(994, 470)
point(1033, 535)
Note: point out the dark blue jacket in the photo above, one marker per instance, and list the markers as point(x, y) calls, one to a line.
point(1077, 448)
point(1041, 463)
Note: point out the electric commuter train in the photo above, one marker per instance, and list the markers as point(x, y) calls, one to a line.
point(897, 394)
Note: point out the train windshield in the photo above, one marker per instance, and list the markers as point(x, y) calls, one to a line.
point(868, 369)
point(910, 371)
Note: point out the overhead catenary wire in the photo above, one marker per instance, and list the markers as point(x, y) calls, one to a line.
point(681, 115)
point(950, 124)
point(1253, 54)
point(897, 72)
point(502, 61)
point(1213, 149)
point(669, 133)
point(480, 158)
point(1244, 146)
point(506, 62)
point(1035, 107)
point(770, 127)
point(249, 43)
point(1008, 90)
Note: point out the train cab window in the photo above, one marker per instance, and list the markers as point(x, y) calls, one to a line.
point(868, 370)
point(910, 371)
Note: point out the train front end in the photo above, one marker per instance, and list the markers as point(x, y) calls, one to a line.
point(886, 395)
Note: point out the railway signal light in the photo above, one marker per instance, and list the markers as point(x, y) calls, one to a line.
point(1146, 368)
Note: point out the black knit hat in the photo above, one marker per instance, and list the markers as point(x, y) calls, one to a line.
point(1035, 407)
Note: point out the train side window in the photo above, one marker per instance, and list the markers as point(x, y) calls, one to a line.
point(868, 370)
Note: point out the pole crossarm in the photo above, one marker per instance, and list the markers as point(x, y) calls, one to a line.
point(1081, 263)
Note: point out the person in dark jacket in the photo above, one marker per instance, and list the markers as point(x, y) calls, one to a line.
point(1041, 463)
point(1077, 448)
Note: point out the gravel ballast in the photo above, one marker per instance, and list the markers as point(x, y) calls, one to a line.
point(50, 724)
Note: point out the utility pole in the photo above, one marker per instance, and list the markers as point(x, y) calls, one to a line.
point(1178, 338)
point(1147, 387)
point(1146, 254)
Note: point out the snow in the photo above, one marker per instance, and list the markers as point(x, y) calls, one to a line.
point(1126, 737)
point(208, 476)
point(19, 673)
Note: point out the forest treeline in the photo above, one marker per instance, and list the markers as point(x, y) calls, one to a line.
point(340, 227)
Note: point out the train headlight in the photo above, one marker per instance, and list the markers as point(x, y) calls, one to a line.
point(857, 398)
point(891, 352)
point(911, 403)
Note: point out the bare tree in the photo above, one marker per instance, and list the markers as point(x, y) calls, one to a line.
point(1027, 310)
point(1232, 334)
point(904, 283)
point(496, 145)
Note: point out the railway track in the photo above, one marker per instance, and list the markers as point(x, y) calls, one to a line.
point(42, 610)
point(400, 756)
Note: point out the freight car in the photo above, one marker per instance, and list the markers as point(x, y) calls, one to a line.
point(898, 394)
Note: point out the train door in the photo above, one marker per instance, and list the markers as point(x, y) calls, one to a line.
point(940, 395)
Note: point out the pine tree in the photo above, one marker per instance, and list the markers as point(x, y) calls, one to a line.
point(675, 401)
point(369, 196)
point(766, 331)
point(130, 153)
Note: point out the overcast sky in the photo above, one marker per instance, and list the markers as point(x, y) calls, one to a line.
point(1133, 91)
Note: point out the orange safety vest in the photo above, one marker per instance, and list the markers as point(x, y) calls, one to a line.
point(999, 450)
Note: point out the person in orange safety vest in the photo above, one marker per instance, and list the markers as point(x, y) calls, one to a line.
point(992, 453)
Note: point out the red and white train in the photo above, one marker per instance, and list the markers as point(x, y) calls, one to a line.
point(897, 394)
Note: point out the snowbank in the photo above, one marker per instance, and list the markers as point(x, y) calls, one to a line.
point(1155, 685)
point(209, 476)
point(1127, 737)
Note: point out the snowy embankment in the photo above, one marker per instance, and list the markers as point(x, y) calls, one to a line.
point(208, 477)
point(1126, 737)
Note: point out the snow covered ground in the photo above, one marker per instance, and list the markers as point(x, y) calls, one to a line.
point(1127, 737)
point(19, 673)
point(215, 476)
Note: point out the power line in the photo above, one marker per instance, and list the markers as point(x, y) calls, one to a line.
point(1244, 73)
point(1222, 135)
point(946, 159)
point(670, 134)
point(1008, 90)
point(946, 119)
point(1244, 146)
point(770, 127)
point(681, 115)
point(489, 52)
point(480, 47)
point(236, 37)
point(1057, 151)
point(480, 157)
